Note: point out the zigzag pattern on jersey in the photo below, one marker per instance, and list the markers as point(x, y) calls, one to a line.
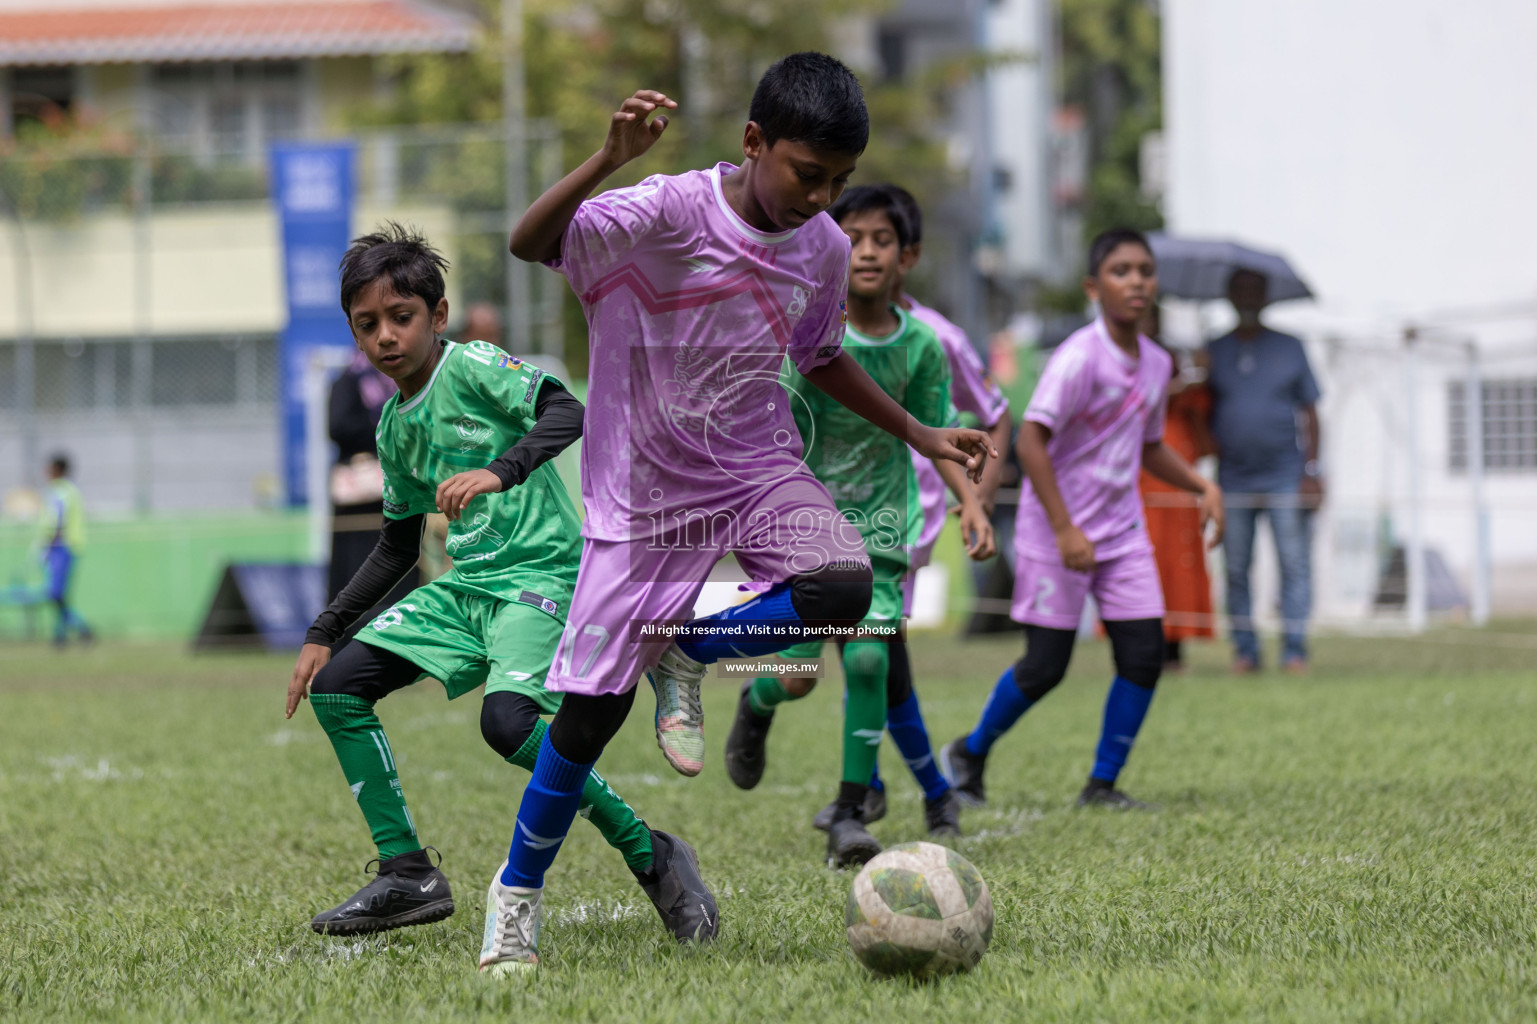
point(748, 281)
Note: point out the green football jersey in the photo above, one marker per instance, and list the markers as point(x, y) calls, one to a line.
point(868, 472)
point(478, 403)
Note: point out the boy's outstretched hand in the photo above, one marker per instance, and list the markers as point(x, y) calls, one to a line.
point(462, 488)
point(312, 658)
point(630, 134)
point(971, 448)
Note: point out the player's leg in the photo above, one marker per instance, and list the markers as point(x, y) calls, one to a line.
point(904, 720)
point(522, 641)
point(596, 664)
point(408, 889)
point(1049, 600)
point(1238, 554)
point(747, 743)
point(570, 748)
point(832, 594)
point(1131, 604)
point(865, 664)
point(790, 533)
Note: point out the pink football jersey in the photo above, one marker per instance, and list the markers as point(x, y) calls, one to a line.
point(1101, 407)
point(690, 314)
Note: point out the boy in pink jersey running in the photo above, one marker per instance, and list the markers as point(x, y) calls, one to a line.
point(1095, 420)
point(696, 286)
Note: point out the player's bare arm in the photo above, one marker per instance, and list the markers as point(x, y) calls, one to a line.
point(976, 523)
point(631, 132)
point(847, 383)
point(462, 488)
point(992, 474)
point(1076, 549)
point(1165, 463)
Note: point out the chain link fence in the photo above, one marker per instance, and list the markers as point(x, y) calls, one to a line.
point(141, 302)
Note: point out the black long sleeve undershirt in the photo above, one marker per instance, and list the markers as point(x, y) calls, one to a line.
point(557, 423)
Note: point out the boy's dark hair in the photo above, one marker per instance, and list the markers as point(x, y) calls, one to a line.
point(812, 98)
point(399, 253)
point(59, 463)
point(1105, 242)
point(909, 207)
point(864, 198)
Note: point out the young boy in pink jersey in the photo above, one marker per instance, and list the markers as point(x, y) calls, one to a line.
point(1095, 420)
point(695, 287)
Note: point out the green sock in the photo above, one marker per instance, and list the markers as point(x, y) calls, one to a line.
point(864, 714)
point(767, 693)
point(366, 760)
point(620, 827)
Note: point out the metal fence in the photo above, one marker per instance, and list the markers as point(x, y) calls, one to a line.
point(141, 301)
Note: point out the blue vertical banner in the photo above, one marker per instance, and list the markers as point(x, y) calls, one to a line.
point(312, 185)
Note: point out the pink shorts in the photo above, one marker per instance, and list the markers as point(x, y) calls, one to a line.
point(790, 528)
point(1052, 595)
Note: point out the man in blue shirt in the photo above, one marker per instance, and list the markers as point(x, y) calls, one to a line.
point(1265, 422)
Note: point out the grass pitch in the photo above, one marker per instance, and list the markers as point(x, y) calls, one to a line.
point(1355, 845)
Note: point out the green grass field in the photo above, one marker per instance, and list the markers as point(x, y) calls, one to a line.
point(1355, 845)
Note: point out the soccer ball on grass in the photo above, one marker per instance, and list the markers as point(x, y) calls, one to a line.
point(919, 909)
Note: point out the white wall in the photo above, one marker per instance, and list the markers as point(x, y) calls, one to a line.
point(1386, 147)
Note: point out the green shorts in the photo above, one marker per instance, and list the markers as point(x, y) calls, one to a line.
point(885, 607)
point(463, 638)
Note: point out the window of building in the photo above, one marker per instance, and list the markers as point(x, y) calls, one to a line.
point(39, 94)
point(1509, 432)
point(227, 113)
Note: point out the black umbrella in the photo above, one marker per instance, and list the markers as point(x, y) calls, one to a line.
point(1199, 268)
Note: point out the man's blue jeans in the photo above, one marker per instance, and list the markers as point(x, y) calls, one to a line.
point(1293, 529)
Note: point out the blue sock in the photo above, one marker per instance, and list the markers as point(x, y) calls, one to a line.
point(544, 817)
point(1125, 708)
point(905, 723)
point(876, 782)
point(720, 635)
point(999, 714)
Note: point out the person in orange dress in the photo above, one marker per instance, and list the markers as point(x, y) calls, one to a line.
point(1174, 522)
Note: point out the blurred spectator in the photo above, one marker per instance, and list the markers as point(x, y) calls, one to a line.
point(1265, 423)
point(60, 540)
point(1173, 521)
point(482, 322)
point(357, 482)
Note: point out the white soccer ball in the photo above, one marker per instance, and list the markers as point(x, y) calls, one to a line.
point(919, 909)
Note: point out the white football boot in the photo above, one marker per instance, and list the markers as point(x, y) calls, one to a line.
point(511, 943)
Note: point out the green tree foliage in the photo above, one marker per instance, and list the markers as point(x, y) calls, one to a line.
point(1112, 70)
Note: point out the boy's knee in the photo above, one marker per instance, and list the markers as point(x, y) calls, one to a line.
point(1047, 654)
point(868, 660)
point(507, 720)
point(1138, 647)
point(836, 595)
point(335, 677)
point(798, 687)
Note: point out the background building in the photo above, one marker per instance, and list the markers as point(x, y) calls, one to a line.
point(1383, 147)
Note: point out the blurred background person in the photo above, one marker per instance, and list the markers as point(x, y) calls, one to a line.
point(357, 483)
point(60, 540)
point(1265, 425)
point(1173, 521)
point(482, 322)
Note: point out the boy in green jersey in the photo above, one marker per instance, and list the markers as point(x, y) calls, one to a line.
point(471, 434)
point(869, 474)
